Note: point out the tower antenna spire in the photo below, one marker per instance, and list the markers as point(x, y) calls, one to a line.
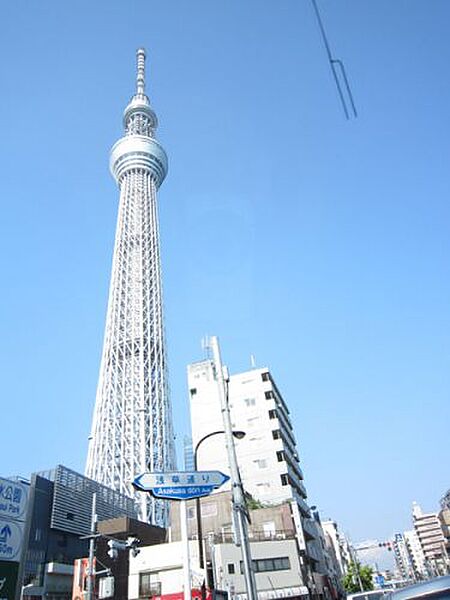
point(140, 77)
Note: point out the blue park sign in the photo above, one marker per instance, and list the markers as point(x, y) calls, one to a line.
point(13, 499)
point(180, 485)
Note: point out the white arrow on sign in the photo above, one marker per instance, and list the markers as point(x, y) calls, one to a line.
point(148, 481)
point(11, 535)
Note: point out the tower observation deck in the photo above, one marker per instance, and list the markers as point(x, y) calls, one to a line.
point(132, 424)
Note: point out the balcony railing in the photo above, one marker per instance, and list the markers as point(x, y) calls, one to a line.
point(226, 537)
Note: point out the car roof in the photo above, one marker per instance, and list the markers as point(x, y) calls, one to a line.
point(425, 588)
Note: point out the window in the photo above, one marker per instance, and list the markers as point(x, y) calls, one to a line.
point(269, 529)
point(265, 376)
point(149, 584)
point(250, 401)
point(280, 456)
point(269, 395)
point(272, 414)
point(208, 509)
point(284, 479)
point(193, 391)
point(261, 463)
point(262, 565)
point(276, 434)
point(231, 570)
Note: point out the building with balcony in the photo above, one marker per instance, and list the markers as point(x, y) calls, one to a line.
point(268, 456)
point(431, 537)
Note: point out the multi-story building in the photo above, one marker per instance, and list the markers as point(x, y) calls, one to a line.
point(59, 512)
point(158, 570)
point(267, 456)
point(445, 500)
point(416, 554)
point(444, 518)
point(132, 423)
point(429, 531)
point(339, 543)
point(402, 557)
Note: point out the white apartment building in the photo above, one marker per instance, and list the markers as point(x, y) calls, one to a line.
point(429, 531)
point(403, 557)
point(267, 455)
point(339, 544)
point(416, 554)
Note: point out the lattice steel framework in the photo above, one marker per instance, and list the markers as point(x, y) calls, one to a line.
point(132, 424)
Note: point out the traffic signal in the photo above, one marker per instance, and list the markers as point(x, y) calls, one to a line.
point(114, 547)
point(132, 545)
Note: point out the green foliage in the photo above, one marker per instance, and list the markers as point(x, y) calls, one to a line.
point(350, 580)
point(252, 504)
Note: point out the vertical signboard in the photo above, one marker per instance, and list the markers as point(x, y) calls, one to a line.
point(13, 506)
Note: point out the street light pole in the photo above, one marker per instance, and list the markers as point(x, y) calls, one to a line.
point(239, 506)
point(238, 435)
point(90, 592)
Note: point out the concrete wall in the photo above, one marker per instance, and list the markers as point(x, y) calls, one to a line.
point(228, 554)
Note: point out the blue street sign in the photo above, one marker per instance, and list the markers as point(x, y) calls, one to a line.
point(180, 485)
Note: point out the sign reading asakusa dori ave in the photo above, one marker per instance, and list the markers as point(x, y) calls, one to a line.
point(180, 485)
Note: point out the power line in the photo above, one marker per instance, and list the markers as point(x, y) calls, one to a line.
point(334, 63)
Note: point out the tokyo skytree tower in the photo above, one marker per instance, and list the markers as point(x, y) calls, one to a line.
point(132, 424)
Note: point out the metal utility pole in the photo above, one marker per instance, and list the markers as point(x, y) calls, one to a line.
point(355, 562)
point(91, 577)
point(186, 557)
point(240, 514)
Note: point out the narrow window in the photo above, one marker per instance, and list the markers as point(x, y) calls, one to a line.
point(284, 479)
point(280, 456)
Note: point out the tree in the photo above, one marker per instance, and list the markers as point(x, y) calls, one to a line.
point(350, 580)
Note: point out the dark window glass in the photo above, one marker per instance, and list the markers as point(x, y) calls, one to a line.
point(268, 395)
point(272, 414)
point(280, 455)
point(265, 376)
point(284, 479)
point(262, 565)
point(231, 570)
point(276, 434)
point(193, 391)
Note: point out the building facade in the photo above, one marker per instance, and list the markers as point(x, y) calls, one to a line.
point(59, 512)
point(158, 570)
point(431, 537)
point(267, 456)
point(132, 422)
point(416, 554)
point(402, 557)
point(339, 543)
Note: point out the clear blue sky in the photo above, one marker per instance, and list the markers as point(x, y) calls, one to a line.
point(319, 245)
